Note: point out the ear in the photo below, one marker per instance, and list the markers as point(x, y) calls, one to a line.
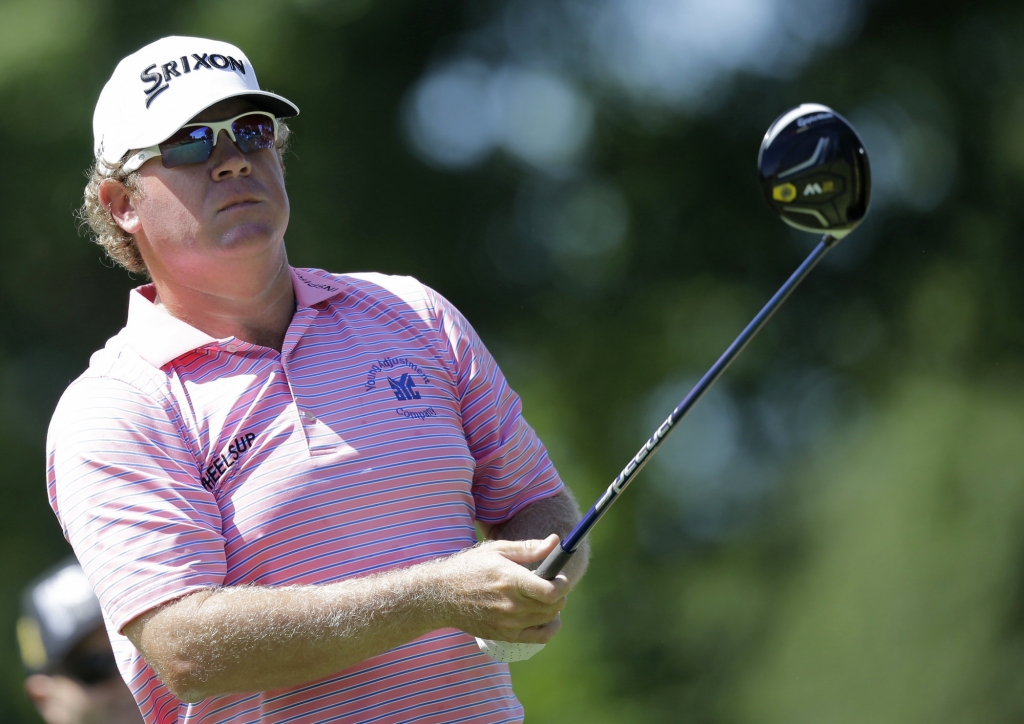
point(116, 199)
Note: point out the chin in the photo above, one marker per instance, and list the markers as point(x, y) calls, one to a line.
point(251, 237)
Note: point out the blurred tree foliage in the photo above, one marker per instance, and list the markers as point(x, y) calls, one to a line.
point(863, 564)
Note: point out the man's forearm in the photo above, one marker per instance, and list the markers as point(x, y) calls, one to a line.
point(248, 638)
point(557, 514)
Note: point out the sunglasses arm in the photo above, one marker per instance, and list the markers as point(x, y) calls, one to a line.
point(135, 161)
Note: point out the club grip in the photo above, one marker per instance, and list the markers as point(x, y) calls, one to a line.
point(553, 564)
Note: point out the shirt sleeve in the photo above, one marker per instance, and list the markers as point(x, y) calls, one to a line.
point(125, 487)
point(512, 465)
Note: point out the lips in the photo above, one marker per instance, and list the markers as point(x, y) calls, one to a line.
point(239, 203)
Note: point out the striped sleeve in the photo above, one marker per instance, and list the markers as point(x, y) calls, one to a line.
point(512, 465)
point(124, 485)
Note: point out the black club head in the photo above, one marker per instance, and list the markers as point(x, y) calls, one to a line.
point(814, 171)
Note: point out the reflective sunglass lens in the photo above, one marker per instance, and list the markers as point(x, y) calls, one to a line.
point(253, 132)
point(189, 145)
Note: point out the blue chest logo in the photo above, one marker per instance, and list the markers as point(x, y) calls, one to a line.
point(407, 385)
point(404, 387)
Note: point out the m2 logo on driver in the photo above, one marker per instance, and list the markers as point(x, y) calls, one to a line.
point(161, 80)
point(226, 460)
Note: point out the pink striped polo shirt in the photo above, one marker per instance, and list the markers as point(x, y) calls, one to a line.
point(376, 437)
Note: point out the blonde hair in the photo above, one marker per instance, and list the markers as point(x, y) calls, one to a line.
point(118, 244)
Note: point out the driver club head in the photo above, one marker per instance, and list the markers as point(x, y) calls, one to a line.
point(814, 171)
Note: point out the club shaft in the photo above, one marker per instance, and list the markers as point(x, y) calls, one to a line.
point(561, 555)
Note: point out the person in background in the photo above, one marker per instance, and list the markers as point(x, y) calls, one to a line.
point(73, 677)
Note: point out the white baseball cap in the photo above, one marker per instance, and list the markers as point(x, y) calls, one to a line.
point(159, 88)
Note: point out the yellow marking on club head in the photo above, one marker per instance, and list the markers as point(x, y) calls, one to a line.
point(827, 186)
point(784, 193)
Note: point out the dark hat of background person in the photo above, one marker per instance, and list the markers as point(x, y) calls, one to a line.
point(59, 610)
point(159, 88)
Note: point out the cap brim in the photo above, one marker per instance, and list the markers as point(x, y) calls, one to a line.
point(267, 101)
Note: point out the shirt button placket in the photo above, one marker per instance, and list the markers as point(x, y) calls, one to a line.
point(306, 418)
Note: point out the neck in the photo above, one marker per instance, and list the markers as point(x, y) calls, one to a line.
point(257, 311)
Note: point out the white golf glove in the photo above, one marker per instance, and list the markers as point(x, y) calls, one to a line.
point(507, 651)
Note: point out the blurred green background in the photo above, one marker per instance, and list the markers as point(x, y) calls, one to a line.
point(836, 533)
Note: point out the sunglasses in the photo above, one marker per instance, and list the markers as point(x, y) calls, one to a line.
point(89, 668)
point(194, 142)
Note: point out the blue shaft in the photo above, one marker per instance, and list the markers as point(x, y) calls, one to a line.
point(573, 540)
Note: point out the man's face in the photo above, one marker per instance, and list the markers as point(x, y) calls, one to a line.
point(196, 219)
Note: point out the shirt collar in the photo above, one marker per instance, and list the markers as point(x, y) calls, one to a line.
point(155, 334)
point(159, 337)
point(313, 286)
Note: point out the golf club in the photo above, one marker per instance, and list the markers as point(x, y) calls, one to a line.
point(814, 174)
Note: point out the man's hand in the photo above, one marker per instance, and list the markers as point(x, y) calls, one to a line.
point(493, 596)
point(557, 514)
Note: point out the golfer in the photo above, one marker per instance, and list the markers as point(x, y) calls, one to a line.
point(274, 477)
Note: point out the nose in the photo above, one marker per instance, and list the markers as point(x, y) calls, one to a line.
point(228, 161)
